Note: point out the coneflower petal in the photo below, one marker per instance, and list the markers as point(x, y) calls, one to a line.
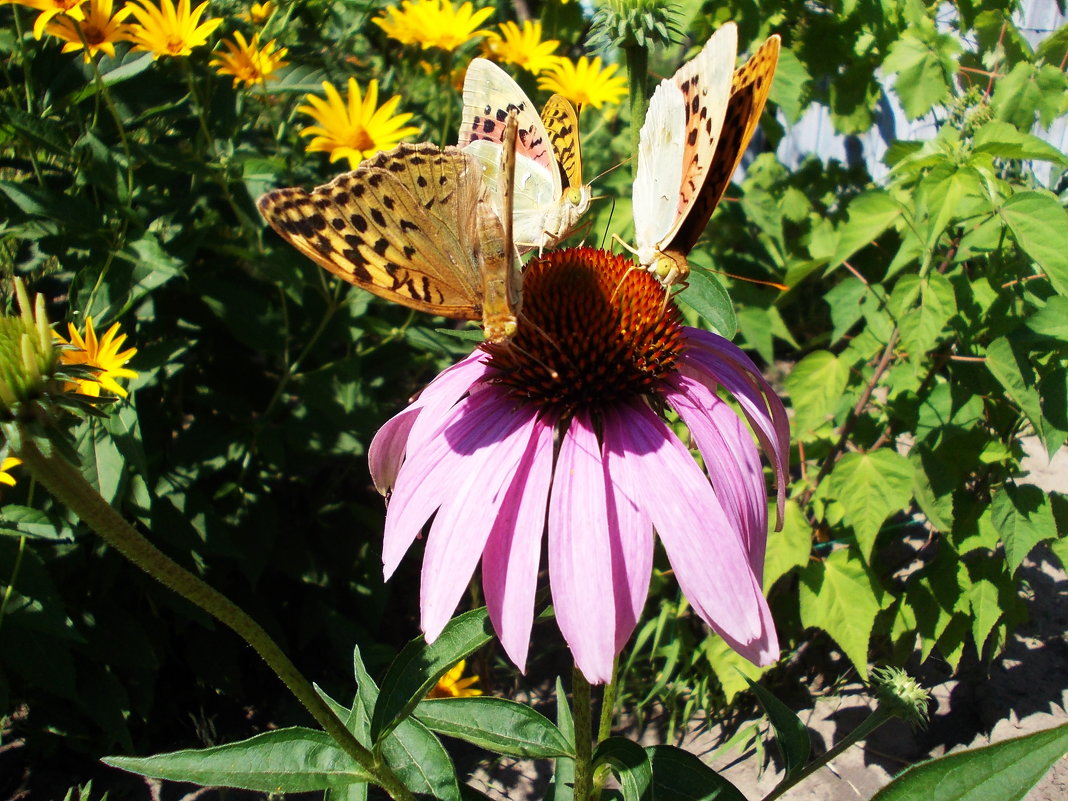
point(705, 551)
point(731, 459)
point(580, 556)
point(474, 495)
point(513, 551)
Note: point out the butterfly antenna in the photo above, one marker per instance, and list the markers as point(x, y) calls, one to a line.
point(613, 167)
point(773, 284)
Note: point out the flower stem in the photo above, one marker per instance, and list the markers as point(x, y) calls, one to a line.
point(580, 712)
point(69, 487)
point(874, 721)
point(638, 76)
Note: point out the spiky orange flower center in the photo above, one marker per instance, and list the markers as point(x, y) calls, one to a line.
point(594, 330)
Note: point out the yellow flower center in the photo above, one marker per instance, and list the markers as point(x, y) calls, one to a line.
point(361, 140)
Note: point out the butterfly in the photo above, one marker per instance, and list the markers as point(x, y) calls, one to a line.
point(697, 128)
point(415, 225)
point(547, 153)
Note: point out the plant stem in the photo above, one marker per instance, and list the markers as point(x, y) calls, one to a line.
point(69, 487)
point(638, 77)
point(580, 712)
point(874, 721)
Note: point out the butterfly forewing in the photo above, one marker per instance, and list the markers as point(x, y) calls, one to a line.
point(414, 226)
point(749, 92)
point(489, 95)
point(562, 126)
point(705, 82)
point(502, 281)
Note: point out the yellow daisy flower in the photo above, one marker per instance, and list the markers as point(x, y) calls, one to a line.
point(49, 9)
point(258, 13)
point(102, 354)
point(522, 46)
point(248, 61)
point(99, 28)
point(170, 31)
point(452, 686)
point(433, 23)
point(11, 462)
point(585, 82)
point(354, 129)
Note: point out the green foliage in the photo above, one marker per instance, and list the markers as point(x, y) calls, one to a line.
point(1005, 770)
point(922, 337)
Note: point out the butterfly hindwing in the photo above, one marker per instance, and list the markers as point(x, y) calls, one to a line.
point(562, 126)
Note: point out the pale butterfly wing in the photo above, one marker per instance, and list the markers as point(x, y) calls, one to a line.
point(534, 192)
point(655, 196)
point(721, 108)
point(414, 226)
point(544, 212)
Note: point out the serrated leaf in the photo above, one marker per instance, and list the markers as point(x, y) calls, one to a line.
point(924, 67)
point(707, 296)
point(630, 763)
point(920, 327)
point(791, 735)
point(1015, 373)
point(680, 776)
point(496, 724)
point(870, 487)
point(788, 548)
point(838, 597)
point(293, 760)
point(1005, 771)
point(1039, 224)
point(985, 608)
point(870, 214)
point(1001, 139)
point(815, 386)
point(1023, 518)
point(418, 667)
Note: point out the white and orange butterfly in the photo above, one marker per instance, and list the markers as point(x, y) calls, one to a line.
point(697, 128)
point(547, 153)
point(417, 226)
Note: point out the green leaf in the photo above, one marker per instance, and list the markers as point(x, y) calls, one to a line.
point(870, 487)
point(630, 764)
point(115, 71)
point(838, 596)
point(732, 669)
point(25, 521)
point(294, 760)
point(421, 761)
point(418, 667)
point(1014, 371)
point(563, 781)
point(101, 461)
point(707, 296)
point(1005, 141)
point(1005, 771)
point(40, 130)
point(496, 724)
point(789, 87)
point(1028, 89)
point(924, 67)
point(788, 548)
point(815, 386)
point(921, 327)
point(870, 214)
point(791, 735)
point(1052, 319)
point(1023, 517)
point(680, 776)
point(1040, 226)
point(983, 598)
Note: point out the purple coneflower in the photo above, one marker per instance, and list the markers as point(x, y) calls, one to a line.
point(561, 431)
